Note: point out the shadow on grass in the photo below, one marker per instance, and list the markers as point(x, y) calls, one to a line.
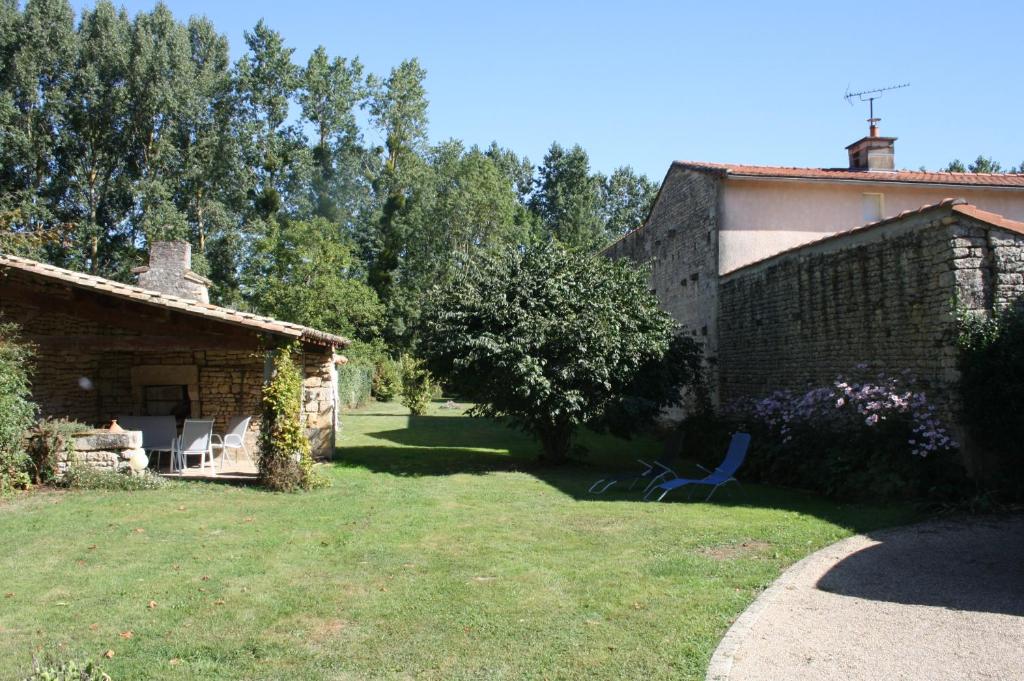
point(439, 446)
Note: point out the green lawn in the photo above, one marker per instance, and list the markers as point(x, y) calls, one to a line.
point(439, 552)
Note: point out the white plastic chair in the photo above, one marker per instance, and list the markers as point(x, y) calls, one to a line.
point(196, 439)
point(233, 439)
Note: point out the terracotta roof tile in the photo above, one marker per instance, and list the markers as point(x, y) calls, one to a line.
point(994, 219)
point(184, 305)
point(959, 179)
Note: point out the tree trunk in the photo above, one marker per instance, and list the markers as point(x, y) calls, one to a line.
point(555, 442)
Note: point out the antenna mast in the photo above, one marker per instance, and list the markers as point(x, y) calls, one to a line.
point(870, 96)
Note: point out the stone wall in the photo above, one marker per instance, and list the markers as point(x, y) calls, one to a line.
point(679, 242)
point(885, 296)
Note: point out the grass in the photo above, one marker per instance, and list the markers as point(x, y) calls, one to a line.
point(439, 552)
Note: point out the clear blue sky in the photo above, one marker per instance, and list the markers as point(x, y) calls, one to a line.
point(642, 84)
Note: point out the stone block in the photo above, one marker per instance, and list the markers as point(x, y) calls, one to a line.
point(95, 440)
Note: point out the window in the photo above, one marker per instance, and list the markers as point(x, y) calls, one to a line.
point(873, 206)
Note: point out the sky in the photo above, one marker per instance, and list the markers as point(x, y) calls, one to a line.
point(646, 83)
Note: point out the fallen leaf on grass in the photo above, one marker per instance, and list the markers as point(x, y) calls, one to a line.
point(151, 605)
point(205, 578)
point(127, 634)
point(181, 508)
point(174, 661)
point(219, 601)
point(139, 530)
point(249, 519)
point(9, 594)
point(79, 562)
point(109, 654)
point(94, 626)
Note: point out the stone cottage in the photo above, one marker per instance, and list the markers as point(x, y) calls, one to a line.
point(105, 348)
point(791, 275)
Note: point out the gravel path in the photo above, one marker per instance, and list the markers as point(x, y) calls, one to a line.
point(936, 601)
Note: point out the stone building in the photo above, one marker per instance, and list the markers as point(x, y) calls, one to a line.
point(105, 348)
point(791, 275)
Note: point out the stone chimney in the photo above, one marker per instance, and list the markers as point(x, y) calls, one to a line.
point(169, 271)
point(873, 152)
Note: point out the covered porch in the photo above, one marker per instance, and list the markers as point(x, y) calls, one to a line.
point(106, 350)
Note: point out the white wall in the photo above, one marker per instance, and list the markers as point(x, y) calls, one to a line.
point(763, 217)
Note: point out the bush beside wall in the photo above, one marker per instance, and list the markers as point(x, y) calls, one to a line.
point(17, 411)
point(355, 385)
point(991, 362)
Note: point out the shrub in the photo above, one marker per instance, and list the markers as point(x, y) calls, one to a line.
point(991, 362)
point(387, 379)
point(876, 436)
point(84, 477)
point(355, 383)
point(285, 462)
point(47, 440)
point(417, 384)
point(16, 408)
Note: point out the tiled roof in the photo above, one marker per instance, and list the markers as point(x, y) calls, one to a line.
point(961, 179)
point(952, 205)
point(176, 303)
point(994, 219)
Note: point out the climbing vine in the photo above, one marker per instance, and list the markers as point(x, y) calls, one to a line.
point(285, 462)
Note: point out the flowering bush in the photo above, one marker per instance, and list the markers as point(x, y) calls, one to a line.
point(863, 434)
point(847, 404)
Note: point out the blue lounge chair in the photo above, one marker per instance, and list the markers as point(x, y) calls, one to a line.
point(716, 478)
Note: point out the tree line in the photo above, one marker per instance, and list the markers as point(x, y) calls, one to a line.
point(119, 130)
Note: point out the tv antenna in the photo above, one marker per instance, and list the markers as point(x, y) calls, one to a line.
point(870, 96)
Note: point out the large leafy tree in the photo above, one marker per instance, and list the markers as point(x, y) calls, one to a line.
point(331, 90)
point(267, 81)
point(567, 199)
point(398, 110)
point(93, 175)
point(554, 339)
point(302, 271)
point(626, 199)
point(982, 164)
point(37, 54)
